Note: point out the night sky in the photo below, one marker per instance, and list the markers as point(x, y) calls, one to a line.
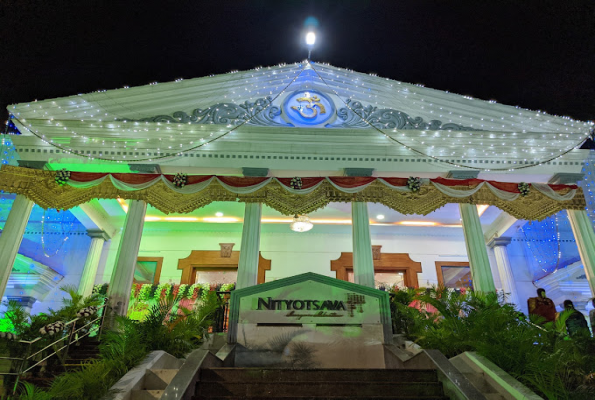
point(536, 54)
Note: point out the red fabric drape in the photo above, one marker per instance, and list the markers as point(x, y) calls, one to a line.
point(351, 181)
point(237, 181)
point(307, 182)
point(395, 181)
point(86, 176)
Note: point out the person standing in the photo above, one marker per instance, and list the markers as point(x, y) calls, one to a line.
point(576, 324)
point(542, 306)
point(592, 316)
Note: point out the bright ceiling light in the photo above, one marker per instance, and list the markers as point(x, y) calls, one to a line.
point(218, 214)
point(332, 221)
point(149, 218)
point(220, 219)
point(301, 223)
point(380, 217)
point(181, 219)
point(276, 220)
point(481, 208)
point(418, 223)
point(310, 38)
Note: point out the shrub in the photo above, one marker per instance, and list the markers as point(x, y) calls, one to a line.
point(541, 357)
point(127, 344)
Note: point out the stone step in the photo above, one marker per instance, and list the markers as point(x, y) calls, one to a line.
point(308, 375)
point(319, 398)
point(158, 379)
point(79, 360)
point(355, 389)
point(146, 394)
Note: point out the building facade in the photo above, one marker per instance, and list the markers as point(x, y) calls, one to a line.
point(201, 180)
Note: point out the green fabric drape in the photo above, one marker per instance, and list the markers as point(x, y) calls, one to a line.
point(250, 247)
point(363, 263)
point(481, 272)
point(584, 235)
point(123, 273)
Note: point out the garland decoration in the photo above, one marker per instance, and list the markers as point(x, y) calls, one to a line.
point(144, 293)
point(8, 336)
point(100, 289)
point(86, 312)
point(204, 291)
point(175, 289)
point(296, 183)
point(62, 176)
point(180, 180)
point(183, 291)
point(228, 287)
point(40, 187)
point(524, 188)
point(194, 291)
point(414, 184)
point(53, 328)
point(136, 289)
point(163, 290)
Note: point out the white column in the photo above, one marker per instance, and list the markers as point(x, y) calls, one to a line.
point(12, 236)
point(479, 262)
point(123, 273)
point(98, 238)
point(250, 247)
point(363, 262)
point(498, 244)
point(585, 241)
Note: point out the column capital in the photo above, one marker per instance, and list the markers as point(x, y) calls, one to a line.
point(566, 178)
point(25, 301)
point(98, 233)
point(499, 241)
point(462, 174)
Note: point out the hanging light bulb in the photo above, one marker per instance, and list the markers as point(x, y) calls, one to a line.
point(301, 223)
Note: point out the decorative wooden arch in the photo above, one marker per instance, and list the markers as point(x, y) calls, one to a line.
point(213, 259)
point(159, 261)
point(440, 264)
point(383, 262)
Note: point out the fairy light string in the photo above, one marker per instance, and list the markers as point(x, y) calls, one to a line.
point(420, 153)
point(256, 82)
point(169, 155)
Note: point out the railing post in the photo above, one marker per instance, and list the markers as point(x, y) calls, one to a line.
point(104, 311)
point(70, 335)
point(21, 368)
point(220, 319)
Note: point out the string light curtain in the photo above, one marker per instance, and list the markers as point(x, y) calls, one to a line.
point(149, 122)
point(486, 130)
point(155, 120)
point(548, 245)
point(588, 184)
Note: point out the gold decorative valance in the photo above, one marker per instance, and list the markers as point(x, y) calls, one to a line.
point(529, 202)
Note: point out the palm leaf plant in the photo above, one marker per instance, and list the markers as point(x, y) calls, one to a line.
point(539, 355)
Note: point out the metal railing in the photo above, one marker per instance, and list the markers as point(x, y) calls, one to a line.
point(73, 335)
point(221, 318)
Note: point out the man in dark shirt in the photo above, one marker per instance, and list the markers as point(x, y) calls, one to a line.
point(592, 316)
point(576, 323)
point(542, 306)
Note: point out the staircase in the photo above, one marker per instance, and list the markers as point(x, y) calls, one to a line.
point(81, 352)
point(318, 384)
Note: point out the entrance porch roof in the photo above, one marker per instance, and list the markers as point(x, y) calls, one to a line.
point(264, 118)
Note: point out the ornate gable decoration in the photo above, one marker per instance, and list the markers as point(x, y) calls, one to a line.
point(305, 108)
point(260, 112)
